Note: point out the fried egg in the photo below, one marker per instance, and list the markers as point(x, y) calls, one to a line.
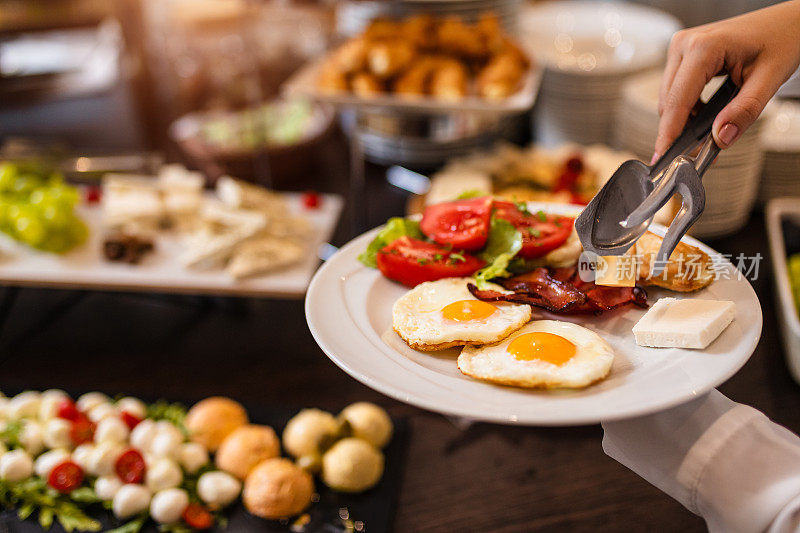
point(440, 314)
point(545, 354)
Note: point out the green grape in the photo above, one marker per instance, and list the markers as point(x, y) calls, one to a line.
point(8, 174)
point(37, 208)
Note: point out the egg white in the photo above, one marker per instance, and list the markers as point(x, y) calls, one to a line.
point(417, 316)
point(591, 362)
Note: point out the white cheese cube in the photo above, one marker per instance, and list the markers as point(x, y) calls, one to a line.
point(617, 270)
point(687, 323)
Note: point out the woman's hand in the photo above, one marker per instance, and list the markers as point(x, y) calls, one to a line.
point(759, 50)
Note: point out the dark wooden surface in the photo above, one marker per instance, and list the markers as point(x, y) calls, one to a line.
point(481, 478)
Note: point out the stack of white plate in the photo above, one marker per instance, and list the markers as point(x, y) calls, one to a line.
point(352, 16)
point(781, 139)
point(589, 49)
point(731, 183)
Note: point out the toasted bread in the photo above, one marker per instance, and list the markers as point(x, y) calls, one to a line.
point(689, 268)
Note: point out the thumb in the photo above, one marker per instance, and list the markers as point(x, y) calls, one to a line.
point(744, 109)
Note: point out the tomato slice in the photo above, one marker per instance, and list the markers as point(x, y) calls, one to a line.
point(411, 261)
point(463, 224)
point(65, 477)
point(67, 410)
point(82, 430)
point(130, 467)
point(541, 233)
point(197, 516)
point(130, 420)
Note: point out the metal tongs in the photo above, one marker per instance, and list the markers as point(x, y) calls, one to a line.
point(624, 208)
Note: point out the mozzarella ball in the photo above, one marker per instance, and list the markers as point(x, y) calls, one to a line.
point(57, 433)
point(112, 430)
point(192, 456)
point(211, 420)
point(16, 465)
point(50, 400)
point(245, 448)
point(307, 430)
point(24, 405)
point(164, 474)
point(46, 462)
point(352, 465)
point(103, 458)
point(106, 487)
point(130, 500)
point(167, 440)
point(102, 411)
point(133, 406)
point(277, 488)
point(218, 489)
point(142, 435)
point(82, 454)
point(90, 400)
point(167, 506)
point(369, 422)
point(32, 437)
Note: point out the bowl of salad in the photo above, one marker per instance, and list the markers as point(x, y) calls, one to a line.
point(279, 135)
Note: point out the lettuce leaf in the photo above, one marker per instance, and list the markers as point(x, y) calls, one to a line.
point(504, 242)
point(395, 228)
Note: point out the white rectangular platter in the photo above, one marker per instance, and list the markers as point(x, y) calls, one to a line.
point(162, 270)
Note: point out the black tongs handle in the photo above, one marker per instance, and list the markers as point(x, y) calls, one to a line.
point(698, 126)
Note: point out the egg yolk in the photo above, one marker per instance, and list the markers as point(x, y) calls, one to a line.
point(465, 310)
point(547, 347)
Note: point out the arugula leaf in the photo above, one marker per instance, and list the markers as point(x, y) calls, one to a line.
point(11, 433)
point(132, 526)
point(504, 242)
point(395, 228)
point(33, 494)
point(171, 412)
point(471, 193)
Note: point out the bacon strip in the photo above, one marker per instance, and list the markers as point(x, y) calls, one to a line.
point(562, 291)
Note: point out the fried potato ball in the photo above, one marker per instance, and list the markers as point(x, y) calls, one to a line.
point(352, 465)
point(307, 430)
point(369, 422)
point(245, 447)
point(211, 420)
point(277, 488)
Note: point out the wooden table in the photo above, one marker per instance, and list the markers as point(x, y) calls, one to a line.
point(481, 478)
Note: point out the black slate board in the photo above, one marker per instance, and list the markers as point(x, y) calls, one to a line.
point(374, 508)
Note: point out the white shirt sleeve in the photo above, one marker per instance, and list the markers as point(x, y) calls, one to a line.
point(723, 461)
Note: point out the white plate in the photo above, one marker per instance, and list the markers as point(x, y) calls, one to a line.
point(349, 308)
point(161, 271)
point(303, 84)
point(585, 38)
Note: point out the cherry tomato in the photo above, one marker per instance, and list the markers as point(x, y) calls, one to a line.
point(197, 516)
point(93, 194)
point(411, 261)
point(575, 164)
point(130, 467)
point(130, 420)
point(65, 477)
point(463, 224)
point(541, 233)
point(311, 200)
point(82, 430)
point(67, 410)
